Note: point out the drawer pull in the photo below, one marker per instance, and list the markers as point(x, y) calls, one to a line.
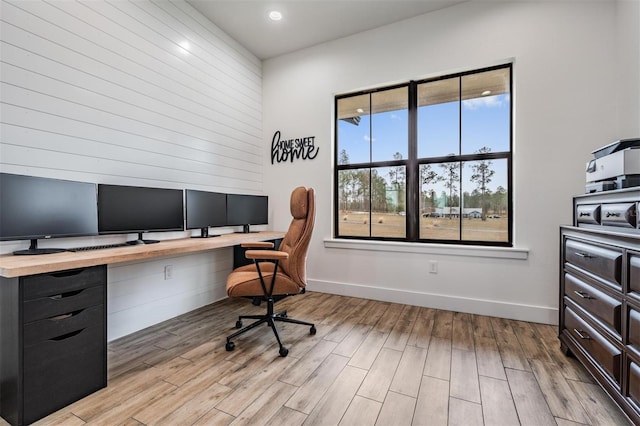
point(583, 294)
point(614, 214)
point(65, 295)
point(68, 273)
point(581, 334)
point(60, 317)
point(585, 255)
point(67, 336)
point(585, 214)
point(65, 316)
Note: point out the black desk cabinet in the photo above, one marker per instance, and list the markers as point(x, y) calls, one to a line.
point(600, 292)
point(53, 333)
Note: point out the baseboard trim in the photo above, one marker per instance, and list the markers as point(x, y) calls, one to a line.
point(516, 311)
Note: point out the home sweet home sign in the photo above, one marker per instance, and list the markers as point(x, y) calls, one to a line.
point(292, 149)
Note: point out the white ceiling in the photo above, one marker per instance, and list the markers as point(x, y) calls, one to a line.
point(306, 22)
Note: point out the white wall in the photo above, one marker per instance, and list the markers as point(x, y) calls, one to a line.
point(628, 51)
point(565, 102)
point(107, 92)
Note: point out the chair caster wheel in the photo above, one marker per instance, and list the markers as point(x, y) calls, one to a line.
point(312, 331)
point(230, 346)
point(284, 351)
point(238, 324)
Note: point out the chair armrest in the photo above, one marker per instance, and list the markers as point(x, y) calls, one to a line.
point(257, 244)
point(266, 254)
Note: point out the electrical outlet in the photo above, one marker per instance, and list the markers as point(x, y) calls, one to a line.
point(168, 272)
point(433, 267)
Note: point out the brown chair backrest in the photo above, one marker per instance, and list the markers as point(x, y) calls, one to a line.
point(296, 240)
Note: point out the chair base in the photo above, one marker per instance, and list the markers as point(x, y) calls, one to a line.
point(270, 318)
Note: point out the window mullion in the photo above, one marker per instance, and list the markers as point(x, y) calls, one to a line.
point(370, 165)
point(460, 197)
point(413, 175)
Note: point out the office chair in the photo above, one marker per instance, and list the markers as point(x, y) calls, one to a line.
point(276, 274)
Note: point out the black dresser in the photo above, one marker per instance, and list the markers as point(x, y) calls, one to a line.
point(53, 329)
point(600, 292)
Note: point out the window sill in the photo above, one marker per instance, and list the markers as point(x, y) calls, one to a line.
point(423, 248)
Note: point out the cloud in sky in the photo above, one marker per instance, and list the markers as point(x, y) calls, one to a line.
point(486, 101)
point(369, 139)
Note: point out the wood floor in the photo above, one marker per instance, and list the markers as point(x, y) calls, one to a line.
point(369, 363)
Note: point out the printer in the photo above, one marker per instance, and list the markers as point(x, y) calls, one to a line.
point(614, 166)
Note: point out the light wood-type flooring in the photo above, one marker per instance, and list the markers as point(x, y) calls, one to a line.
point(370, 363)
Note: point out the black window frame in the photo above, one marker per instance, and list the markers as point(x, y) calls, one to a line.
point(413, 163)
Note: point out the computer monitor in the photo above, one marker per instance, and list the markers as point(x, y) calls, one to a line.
point(129, 209)
point(33, 208)
point(205, 209)
point(247, 210)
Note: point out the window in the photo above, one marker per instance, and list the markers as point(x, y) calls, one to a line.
point(373, 131)
point(427, 161)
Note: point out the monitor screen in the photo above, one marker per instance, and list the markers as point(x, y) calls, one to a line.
point(205, 209)
point(36, 207)
point(247, 210)
point(124, 209)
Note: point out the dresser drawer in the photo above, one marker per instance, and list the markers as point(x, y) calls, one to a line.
point(634, 383)
point(59, 372)
point(602, 306)
point(620, 214)
point(605, 262)
point(55, 283)
point(63, 326)
point(633, 329)
point(634, 273)
point(62, 303)
point(588, 213)
point(596, 345)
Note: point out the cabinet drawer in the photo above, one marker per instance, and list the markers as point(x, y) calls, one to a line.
point(46, 285)
point(620, 214)
point(596, 345)
point(602, 306)
point(588, 213)
point(62, 303)
point(59, 372)
point(633, 329)
point(634, 273)
point(634, 382)
point(63, 326)
point(605, 262)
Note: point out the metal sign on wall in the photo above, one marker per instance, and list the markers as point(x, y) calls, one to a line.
point(292, 149)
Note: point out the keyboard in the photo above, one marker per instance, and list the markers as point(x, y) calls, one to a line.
point(100, 247)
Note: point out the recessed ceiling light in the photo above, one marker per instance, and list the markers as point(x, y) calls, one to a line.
point(359, 110)
point(185, 47)
point(486, 92)
point(274, 15)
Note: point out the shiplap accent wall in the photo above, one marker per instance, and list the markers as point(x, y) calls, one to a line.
point(145, 93)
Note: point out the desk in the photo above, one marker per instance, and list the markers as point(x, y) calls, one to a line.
point(53, 321)
point(17, 266)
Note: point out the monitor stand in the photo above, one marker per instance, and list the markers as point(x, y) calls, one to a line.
point(246, 229)
point(204, 233)
point(141, 241)
point(33, 249)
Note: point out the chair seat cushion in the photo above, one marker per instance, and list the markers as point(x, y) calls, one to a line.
point(251, 267)
point(245, 281)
